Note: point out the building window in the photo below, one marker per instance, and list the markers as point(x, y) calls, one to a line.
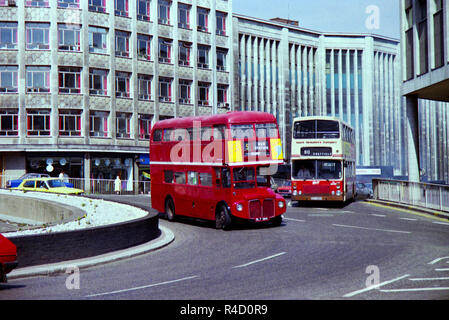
point(37, 3)
point(165, 48)
point(9, 122)
point(183, 16)
point(69, 37)
point(221, 59)
point(165, 94)
point(98, 124)
point(422, 36)
point(203, 93)
point(97, 6)
point(123, 122)
point(69, 80)
point(184, 53)
point(144, 47)
point(6, 3)
point(438, 28)
point(121, 8)
point(144, 87)
point(203, 20)
point(98, 40)
point(221, 23)
point(38, 79)
point(70, 123)
point(185, 88)
point(143, 10)
point(98, 82)
point(145, 126)
point(164, 12)
point(37, 36)
point(72, 4)
point(122, 84)
point(38, 122)
point(222, 96)
point(8, 35)
point(9, 79)
point(122, 44)
point(203, 57)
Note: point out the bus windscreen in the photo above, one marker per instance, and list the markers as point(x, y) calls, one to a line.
point(317, 169)
point(316, 129)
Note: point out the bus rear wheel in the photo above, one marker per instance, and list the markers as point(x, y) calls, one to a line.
point(222, 218)
point(170, 209)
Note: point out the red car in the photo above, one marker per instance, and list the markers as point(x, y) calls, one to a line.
point(8, 257)
point(285, 188)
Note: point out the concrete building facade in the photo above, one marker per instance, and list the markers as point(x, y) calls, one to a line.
point(425, 86)
point(291, 71)
point(83, 80)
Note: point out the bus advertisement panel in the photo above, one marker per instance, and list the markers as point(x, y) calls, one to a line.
point(217, 167)
point(323, 160)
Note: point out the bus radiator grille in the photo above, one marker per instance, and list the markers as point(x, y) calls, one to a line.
point(258, 211)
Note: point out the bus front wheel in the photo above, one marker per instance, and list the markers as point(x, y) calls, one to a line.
point(170, 209)
point(222, 218)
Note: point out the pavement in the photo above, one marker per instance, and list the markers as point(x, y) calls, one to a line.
point(163, 240)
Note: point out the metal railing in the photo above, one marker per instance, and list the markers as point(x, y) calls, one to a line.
point(426, 195)
point(98, 186)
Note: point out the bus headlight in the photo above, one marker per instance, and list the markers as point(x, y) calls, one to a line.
point(333, 192)
point(338, 192)
point(239, 207)
point(295, 192)
point(281, 204)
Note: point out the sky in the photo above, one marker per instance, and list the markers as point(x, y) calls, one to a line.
point(379, 17)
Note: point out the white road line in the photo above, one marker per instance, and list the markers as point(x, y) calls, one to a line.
point(377, 286)
point(429, 279)
point(379, 215)
point(260, 260)
point(320, 215)
point(442, 269)
point(409, 219)
point(297, 220)
point(444, 223)
point(438, 260)
point(414, 289)
point(373, 229)
point(142, 287)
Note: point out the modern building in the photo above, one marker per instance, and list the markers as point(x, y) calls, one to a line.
point(291, 71)
point(425, 86)
point(81, 81)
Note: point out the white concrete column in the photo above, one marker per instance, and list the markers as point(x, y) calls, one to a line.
point(412, 138)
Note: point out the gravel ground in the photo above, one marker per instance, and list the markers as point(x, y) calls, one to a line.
point(98, 212)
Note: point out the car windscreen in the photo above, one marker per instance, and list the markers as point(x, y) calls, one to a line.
point(55, 184)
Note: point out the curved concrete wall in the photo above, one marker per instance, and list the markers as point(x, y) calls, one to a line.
point(37, 210)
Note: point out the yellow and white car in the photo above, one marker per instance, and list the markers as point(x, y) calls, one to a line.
point(51, 185)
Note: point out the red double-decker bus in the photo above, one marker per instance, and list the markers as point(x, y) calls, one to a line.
point(322, 160)
point(217, 167)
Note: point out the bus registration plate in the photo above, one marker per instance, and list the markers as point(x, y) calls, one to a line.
point(316, 198)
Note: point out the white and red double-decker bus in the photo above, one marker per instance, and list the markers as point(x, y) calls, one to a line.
point(322, 159)
point(217, 167)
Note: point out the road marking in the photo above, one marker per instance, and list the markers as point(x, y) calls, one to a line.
point(437, 260)
point(444, 223)
point(414, 289)
point(351, 294)
point(442, 269)
point(141, 287)
point(320, 215)
point(373, 229)
point(424, 215)
point(298, 220)
point(429, 279)
point(409, 219)
point(260, 260)
point(378, 215)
